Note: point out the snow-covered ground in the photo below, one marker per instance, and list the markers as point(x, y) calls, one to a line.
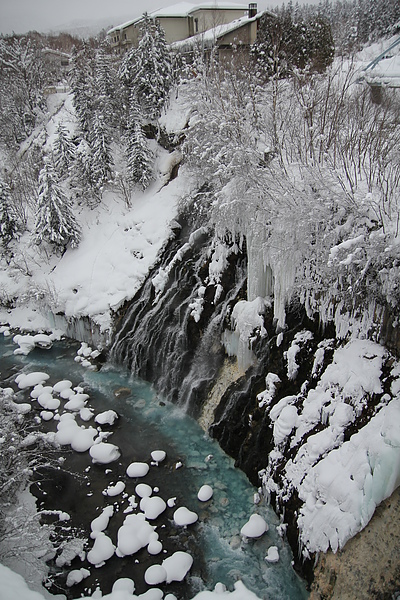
point(339, 483)
point(118, 246)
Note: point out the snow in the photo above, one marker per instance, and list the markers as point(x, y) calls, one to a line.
point(102, 550)
point(255, 527)
point(205, 493)
point(341, 492)
point(158, 455)
point(177, 566)
point(285, 423)
point(117, 248)
point(100, 523)
point(155, 575)
point(272, 554)
point(83, 439)
point(152, 506)
point(143, 490)
point(30, 379)
point(104, 453)
point(115, 490)
point(183, 517)
point(26, 343)
point(246, 319)
point(124, 584)
point(340, 482)
point(137, 469)
point(265, 398)
point(135, 533)
point(13, 586)
point(76, 576)
point(108, 417)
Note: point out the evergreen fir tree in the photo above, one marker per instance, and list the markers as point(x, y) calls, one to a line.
point(55, 222)
point(63, 150)
point(101, 159)
point(150, 69)
point(107, 92)
point(138, 155)
point(8, 223)
point(82, 85)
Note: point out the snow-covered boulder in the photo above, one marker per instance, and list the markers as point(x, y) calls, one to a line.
point(137, 469)
point(104, 453)
point(255, 527)
point(183, 516)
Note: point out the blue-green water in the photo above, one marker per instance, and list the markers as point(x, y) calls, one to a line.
point(148, 423)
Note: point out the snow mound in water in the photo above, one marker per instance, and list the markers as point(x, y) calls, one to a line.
point(183, 517)
point(104, 453)
point(255, 527)
point(137, 469)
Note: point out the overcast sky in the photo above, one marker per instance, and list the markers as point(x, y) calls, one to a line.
point(20, 16)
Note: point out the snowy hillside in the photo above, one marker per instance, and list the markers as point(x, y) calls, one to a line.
point(253, 219)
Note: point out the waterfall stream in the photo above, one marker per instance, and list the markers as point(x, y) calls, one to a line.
point(158, 337)
point(147, 422)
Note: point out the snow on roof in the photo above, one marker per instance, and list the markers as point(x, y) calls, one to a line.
point(182, 9)
point(211, 35)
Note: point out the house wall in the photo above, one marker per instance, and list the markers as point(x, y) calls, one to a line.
point(124, 38)
point(246, 36)
point(175, 28)
point(209, 18)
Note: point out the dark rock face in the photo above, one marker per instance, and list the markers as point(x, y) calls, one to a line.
point(160, 337)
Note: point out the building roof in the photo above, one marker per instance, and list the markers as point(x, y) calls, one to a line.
point(183, 9)
point(209, 37)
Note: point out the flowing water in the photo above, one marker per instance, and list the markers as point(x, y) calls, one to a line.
point(147, 422)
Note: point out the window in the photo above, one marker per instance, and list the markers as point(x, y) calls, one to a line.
point(196, 25)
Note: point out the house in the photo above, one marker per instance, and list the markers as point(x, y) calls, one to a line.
point(181, 21)
point(56, 59)
point(240, 33)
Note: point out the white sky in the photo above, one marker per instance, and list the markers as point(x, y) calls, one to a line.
point(20, 16)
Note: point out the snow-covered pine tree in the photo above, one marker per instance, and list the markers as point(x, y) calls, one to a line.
point(107, 88)
point(138, 155)
point(150, 69)
point(22, 79)
point(63, 150)
point(55, 222)
point(101, 159)
point(82, 85)
point(8, 222)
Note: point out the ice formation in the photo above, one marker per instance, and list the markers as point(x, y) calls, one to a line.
point(247, 320)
